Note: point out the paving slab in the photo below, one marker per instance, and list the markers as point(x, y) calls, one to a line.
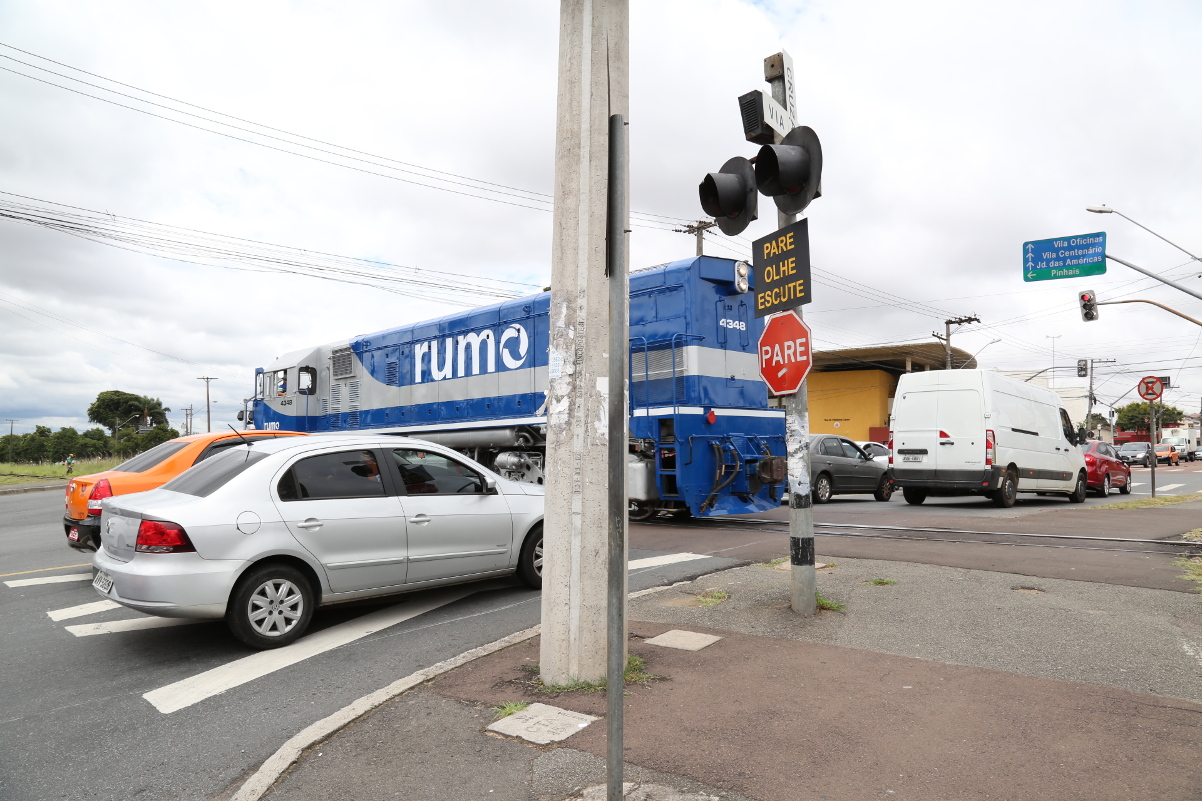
point(684, 640)
point(542, 724)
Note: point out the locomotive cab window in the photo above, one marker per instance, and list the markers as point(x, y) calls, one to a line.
point(306, 380)
point(281, 383)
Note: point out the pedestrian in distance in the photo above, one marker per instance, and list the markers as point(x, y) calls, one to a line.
point(70, 463)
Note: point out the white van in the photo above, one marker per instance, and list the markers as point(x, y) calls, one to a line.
point(956, 432)
point(1186, 440)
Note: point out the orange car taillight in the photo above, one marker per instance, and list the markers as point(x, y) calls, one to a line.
point(101, 491)
point(159, 536)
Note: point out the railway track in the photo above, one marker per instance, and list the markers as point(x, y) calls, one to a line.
point(947, 535)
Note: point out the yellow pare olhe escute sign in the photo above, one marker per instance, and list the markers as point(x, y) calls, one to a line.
point(782, 269)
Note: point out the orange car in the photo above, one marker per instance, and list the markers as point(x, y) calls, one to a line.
point(1167, 454)
point(147, 470)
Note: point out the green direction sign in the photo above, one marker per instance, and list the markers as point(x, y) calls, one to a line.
point(1064, 257)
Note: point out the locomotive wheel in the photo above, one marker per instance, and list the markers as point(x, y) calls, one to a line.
point(641, 510)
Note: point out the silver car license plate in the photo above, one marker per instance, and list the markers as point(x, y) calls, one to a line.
point(103, 582)
point(912, 458)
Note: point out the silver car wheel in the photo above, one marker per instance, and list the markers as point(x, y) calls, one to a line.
point(275, 607)
point(538, 558)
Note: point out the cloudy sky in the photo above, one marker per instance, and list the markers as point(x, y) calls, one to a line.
point(952, 132)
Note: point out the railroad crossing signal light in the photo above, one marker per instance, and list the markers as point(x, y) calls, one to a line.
point(791, 173)
point(1082, 368)
point(729, 196)
point(1089, 305)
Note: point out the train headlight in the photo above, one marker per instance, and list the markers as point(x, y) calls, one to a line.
point(742, 276)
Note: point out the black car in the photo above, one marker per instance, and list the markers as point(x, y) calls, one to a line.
point(1136, 453)
point(838, 466)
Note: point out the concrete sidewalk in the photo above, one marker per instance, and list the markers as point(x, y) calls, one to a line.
point(947, 684)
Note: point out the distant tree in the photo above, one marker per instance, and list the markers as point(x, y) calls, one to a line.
point(92, 443)
point(1137, 416)
point(63, 442)
point(1096, 422)
point(114, 410)
point(35, 446)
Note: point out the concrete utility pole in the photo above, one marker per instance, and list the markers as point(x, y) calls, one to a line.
point(699, 228)
point(208, 414)
point(947, 336)
point(10, 422)
point(593, 85)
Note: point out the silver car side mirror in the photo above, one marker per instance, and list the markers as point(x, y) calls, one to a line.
point(490, 485)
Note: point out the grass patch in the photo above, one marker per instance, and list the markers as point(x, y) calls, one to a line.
point(508, 708)
point(829, 605)
point(881, 582)
point(1147, 503)
point(1193, 570)
point(636, 673)
point(775, 562)
point(713, 597)
point(29, 473)
point(1193, 536)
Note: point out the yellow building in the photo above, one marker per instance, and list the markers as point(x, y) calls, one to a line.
point(851, 390)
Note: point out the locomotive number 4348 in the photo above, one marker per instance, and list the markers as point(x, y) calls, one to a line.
point(738, 324)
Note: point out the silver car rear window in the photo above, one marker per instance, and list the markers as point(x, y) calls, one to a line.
point(212, 474)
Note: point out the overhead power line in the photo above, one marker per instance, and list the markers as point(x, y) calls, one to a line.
point(211, 249)
point(441, 180)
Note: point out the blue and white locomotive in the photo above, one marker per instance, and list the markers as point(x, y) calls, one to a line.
point(702, 437)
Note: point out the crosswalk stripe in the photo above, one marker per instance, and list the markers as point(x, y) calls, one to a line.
point(195, 689)
point(1168, 487)
point(1138, 483)
point(130, 624)
point(49, 580)
point(81, 610)
point(667, 559)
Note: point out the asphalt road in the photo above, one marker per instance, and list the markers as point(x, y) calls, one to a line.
point(74, 722)
point(1032, 514)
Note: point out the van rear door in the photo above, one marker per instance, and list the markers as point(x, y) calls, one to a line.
point(961, 435)
point(915, 433)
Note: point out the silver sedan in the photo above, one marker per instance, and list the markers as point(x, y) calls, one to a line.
point(264, 533)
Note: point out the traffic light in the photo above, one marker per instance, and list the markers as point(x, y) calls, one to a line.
point(791, 173)
point(729, 196)
point(1089, 305)
point(1082, 368)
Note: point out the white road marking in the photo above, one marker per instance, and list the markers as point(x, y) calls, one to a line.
point(1167, 487)
point(1138, 483)
point(49, 580)
point(130, 624)
point(667, 559)
point(81, 610)
point(195, 689)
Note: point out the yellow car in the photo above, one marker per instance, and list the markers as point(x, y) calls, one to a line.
point(1167, 454)
point(147, 470)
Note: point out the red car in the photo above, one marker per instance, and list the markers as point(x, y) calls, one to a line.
point(1104, 469)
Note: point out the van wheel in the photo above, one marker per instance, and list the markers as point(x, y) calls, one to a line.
point(914, 496)
point(1105, 489)
point(1078, 495)
point(822, 491)
point(530, 561)
point(885, 490)
point(1005, 495)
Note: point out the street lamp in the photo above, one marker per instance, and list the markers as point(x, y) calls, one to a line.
point(1052, 374)
point(978, 353)
point(1104, 209)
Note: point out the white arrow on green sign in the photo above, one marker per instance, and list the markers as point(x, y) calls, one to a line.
point(1064, 257)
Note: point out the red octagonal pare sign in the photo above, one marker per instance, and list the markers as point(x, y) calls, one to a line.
point(784, 352)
